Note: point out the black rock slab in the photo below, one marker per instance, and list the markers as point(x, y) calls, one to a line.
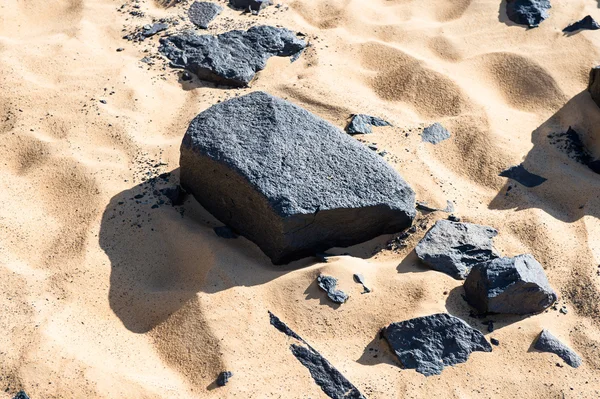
point(509, 285)
point(327, 377)
point(594, 84)
point(289, 181)
point(435, 134)
point(453, 247)
point(151, 30)
point(223, 378)
point(428, 344)
point(546, 342)
point(586, 23)
point(250, 5)
point(201, 13)
point(570, 143)
point(232, 58)
point(329, 284)
point(528, 12)
point(361, 124)
point(523, 176)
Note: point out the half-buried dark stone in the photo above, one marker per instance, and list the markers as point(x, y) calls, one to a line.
point(201, 13)
point(232, 58)
point(509, 285)
point(250, 5)
point(547, 342)
point(361, 124)
point(586, 23)
point(288, 180)
point(528, 12)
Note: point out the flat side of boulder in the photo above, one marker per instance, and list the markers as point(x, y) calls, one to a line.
point(594, 84)
point(509, 285)
point(232, 58)
point(428, 344)
point(546, 342)
point(454, 247)
point(288, 180)
point(201, 13)
point(528, 12)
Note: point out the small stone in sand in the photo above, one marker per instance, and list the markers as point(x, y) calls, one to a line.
point(435, 134)
point(361, 124)
point(586, 23)
point(223, 378)
point(328, 284)
point(547, 342)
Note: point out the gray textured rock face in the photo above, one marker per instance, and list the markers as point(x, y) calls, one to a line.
point(435, 134)
point(430, 343)
point(528, 12)
point(547, 342)
point(361, 124)
point(201, 13)
point(509, 285)
point(250, 5)
point(453, 247)
point(594, 84)
point(328, 284)
point(289, 181)
point(232, 58)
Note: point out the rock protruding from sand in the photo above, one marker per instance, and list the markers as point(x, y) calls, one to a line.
point(329, 284)
point(528, 12)
point(253, 6)
point(435, 134)
point(223, 378)
point(430, 343)
point(586, 23)
point(232, 58)
point(201, 13)
point(454, 247)
point(547, 342)
point(361, 124)
point(594, 84)
point(288, 180)
point(509, 285)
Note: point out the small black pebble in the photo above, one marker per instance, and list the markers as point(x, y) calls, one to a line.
point(494, 341)
point(120, 49)
point(185, 76)
point(103, 101)
point(223, 378)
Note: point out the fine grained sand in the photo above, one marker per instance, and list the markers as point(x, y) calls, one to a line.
point(101, 299)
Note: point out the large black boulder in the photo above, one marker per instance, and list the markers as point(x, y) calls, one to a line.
point(232, 58)
point(509, 285)
point(546, 342)
point(288, 180)
point(454, 247)
point(430, 343)
point(528, 12)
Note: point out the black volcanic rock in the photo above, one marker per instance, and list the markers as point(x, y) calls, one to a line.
point(454, 247)
point(250, 5)
point(232, 58)
point(521, 175)
point(586, 23)
point(289, 181)
point(594, 84)
point(361, 124)
point(435, 134)
point(570, 143)
point(528, 12)
point(546, 342)
point(151, 30)
point(328, 284)
point(509, 285)
point(201, 13)
point(430, 343)
point(223, 378)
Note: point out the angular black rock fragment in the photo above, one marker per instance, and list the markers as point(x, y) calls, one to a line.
point(151, 30)
point(594, 84)
point(289, 181)
point(359, 278)
point(361, 124)
point(430, 343)
point(586, 23)
point(328, 284)
point(232, 58)
point(528, 12)
point(223, 378)
point(331, 381)
point(570, 143)
point(509, 285)
point(547, 342)
point(21, 395)
point(521, 175)
point(175, 194)
point(422, 206)
point(201, 13)
point(250, 5)
point(225, 232)
point(435, 134)
point(494, 341)
point(453, 248)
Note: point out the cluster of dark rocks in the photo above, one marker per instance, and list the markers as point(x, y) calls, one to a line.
point(533, 12)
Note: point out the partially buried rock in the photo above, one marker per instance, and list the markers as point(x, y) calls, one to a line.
point(435, 134)
point(528, 12)
point(329, 284)
point(225, 232)
point(250, 5)
point(453, 248)
point(547, 342)
point(223, 378)
point(509, 285)
point(430, 343)
point(594, 84)
point(289, 181)
point(151, 30)
point(201, 13)
point(521, 175)
point(361, 124)
point(21, 395)
point(586, 23)
point(232, 58)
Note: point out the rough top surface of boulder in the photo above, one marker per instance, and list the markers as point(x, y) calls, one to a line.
point(586, 23)
point(430, 343)
point(288, 180)
point(435, 134)
point(528, 12)
point(201, 13)
point(547, 342)
point(361, 124)
point(509, 285)
point(232, 58)
point(454, 247)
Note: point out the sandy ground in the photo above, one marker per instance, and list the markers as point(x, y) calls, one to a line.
point(104, 296)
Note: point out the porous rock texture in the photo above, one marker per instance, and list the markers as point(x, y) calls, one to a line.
point(430, 343)
point(528, 12)
point(454, 247)
point(201, 13)
point(509, 285)
point(547, 342)
point(232, 58)
point(288, 180)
